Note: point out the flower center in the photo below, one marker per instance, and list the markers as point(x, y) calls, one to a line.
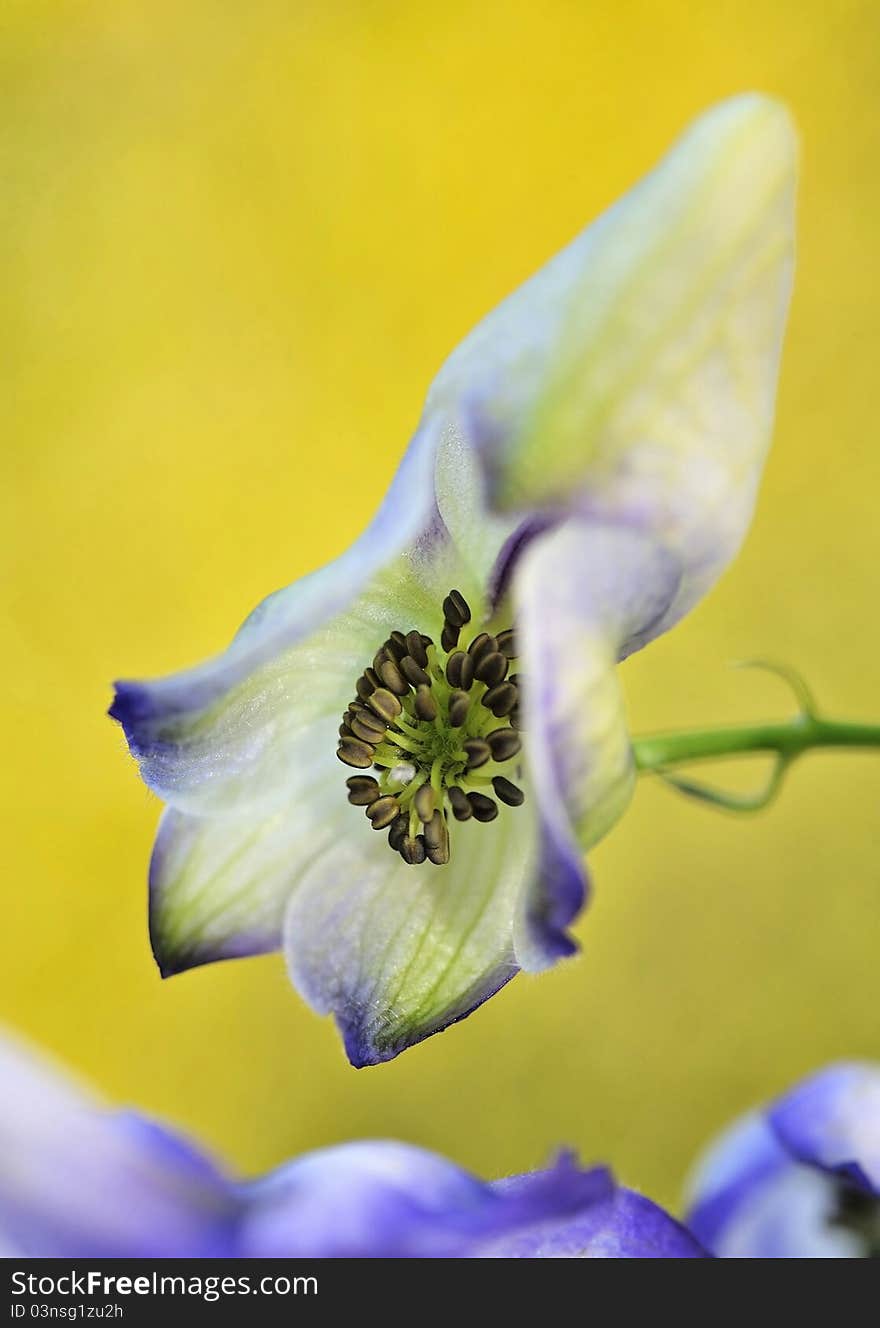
point(859, 1213)
point(441, 725)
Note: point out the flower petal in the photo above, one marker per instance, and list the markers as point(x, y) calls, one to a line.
point(380, 1199)
point(219, 885)
point(622, 1225)
point(586, 596)
point(397, 953)
point(749, 1199)
point(832, 1121)
point(230, 733)
point(77, 1180)
point(741, 1161)
point(634, 377)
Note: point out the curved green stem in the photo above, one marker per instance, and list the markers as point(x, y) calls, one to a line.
point(786, 739)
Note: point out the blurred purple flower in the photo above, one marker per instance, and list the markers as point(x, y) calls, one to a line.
point(800, 1179)
point(79, 1180)
point(585, 468)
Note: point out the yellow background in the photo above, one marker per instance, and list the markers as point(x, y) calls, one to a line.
point(237, 241)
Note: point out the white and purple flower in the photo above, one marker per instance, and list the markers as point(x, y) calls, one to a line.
point(800, 1179)
point(79, 1180)
point(585, 468)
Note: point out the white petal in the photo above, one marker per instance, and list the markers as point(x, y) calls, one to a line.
point(634, 377)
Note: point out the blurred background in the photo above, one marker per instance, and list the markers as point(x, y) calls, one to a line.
point(236, 243)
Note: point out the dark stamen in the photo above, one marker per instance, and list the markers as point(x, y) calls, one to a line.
point(478, 752)
point(481, 644)
point(425, 802)
point(363, 688)
point(507, 643)
point(484, 808)
point(393, 678)
point(459, 706)
point(501, 699)
point(430, 718)
point(490, 667)
point(413, 850)
point(383, 811)
point(369, 728)
point(507, 792)
point(385, 704)
point(449, 636)
point(413, 672)
point(358, 754)
point(461, 808)
point(503, 744)
point(362, 790)
point(456, 610)
point(425, 705)
point(415, 648)
point(398, 831)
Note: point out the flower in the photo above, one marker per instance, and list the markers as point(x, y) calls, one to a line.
point(799, 1179)
point(78, 1180)
point(585, 468)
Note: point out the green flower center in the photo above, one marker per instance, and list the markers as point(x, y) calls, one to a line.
point(441, 726)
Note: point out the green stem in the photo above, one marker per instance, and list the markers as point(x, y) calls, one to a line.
point(787, 739)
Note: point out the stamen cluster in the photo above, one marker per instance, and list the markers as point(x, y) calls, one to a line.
point(441, 724)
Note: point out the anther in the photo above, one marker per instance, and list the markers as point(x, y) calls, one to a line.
point(385, 704)
point(503, 744)
point(507, 792)
point(456, 609)
point(413, 672)
point(515, 718)
point(425, 705)
point(490, 667)
point(383, 811)
point(398, 831)
point(478, 752)
point(483, 808)
point(415, 648)
point(413, 850)
point(424, 802)
point(358, 754)
point(393, 678)
point(363, 688)
point(482, 645)
point(461, 808)
point(437, 840)
point(460, 670)
point(501, 699)
point(459, 705)
point(449, 636)
point(362, 790)
point(418, 717)
point(369, 728)
point(507, 643)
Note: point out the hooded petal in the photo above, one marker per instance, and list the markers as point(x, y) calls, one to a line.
point(751, 1199)
point(735, 1167)
point(832, 1121)
point(586, 596)
point(397, 953)
point(77, 1180)
point(379, 1199)
point(634, 377)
